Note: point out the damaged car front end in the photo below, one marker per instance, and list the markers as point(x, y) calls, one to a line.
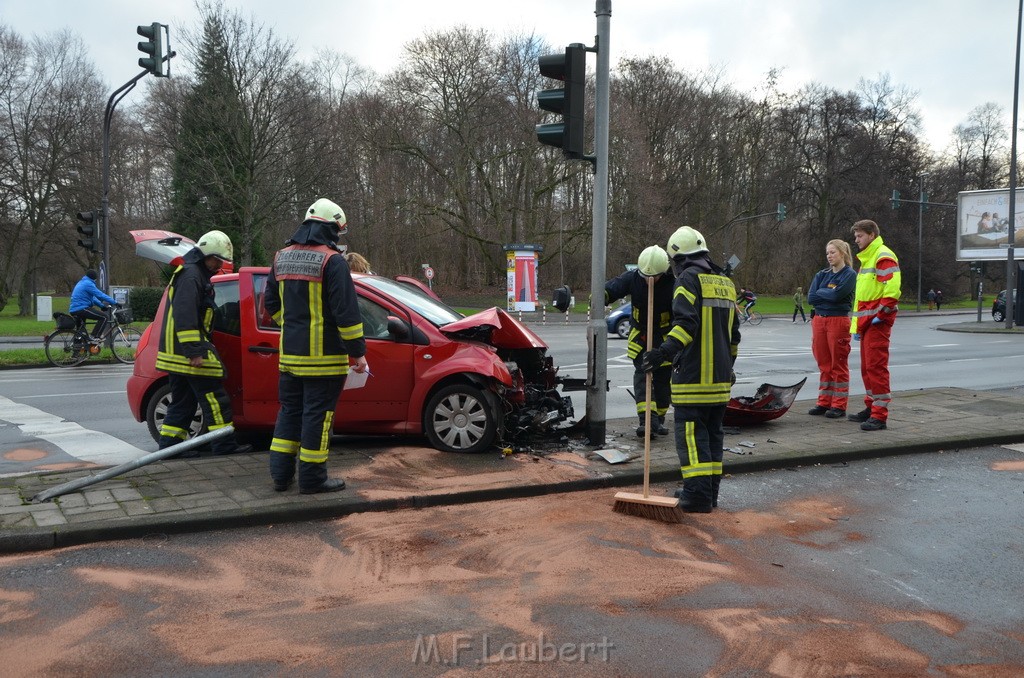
point(530, 400)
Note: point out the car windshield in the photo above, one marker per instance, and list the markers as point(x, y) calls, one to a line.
point(437, 313)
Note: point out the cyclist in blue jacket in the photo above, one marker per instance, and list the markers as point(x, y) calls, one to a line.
point(85, 299)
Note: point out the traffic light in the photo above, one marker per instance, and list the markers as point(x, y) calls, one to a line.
point(780, 212)
point(89, 230)
point(895, 199)
point(154, 47)
point(570, 68)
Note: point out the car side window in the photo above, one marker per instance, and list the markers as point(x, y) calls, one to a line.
point(263, 319)
point(375, 319)
point(226, 317)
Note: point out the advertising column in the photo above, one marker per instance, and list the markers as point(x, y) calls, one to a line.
point(521, 272)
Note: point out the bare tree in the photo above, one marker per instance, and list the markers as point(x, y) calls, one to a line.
point(49, 101)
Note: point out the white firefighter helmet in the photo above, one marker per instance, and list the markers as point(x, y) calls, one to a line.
point(686, 241)
point(652, 261)
point(216, 244)
point(326, 210)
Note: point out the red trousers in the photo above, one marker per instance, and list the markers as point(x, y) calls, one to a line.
point(830, 344)
point(874, 368)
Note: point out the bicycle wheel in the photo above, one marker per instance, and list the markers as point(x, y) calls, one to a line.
point(66, 348)
point(122, 342)
point(755, 318)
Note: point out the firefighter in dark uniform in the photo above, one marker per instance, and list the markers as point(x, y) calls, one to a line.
point(186, 352)
point(702, 346)
point(311, 296)
point(652, 263)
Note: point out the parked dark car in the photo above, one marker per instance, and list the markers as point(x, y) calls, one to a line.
point(999, 306)
point(618, 320)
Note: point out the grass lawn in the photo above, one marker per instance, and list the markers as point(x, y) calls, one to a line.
point(23, 357)
point(13, 325)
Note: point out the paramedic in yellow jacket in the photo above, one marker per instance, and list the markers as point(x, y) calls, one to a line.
point(874, 312)
point(310, 294)
point(186, 352)
point(702, 347)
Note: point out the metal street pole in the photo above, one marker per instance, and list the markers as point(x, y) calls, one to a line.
point(597, 331)
point(1011, 264)
point(920, 246)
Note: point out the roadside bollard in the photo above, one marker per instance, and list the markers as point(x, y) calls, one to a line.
point(544, 314)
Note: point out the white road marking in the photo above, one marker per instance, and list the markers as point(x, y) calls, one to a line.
point(964, 360)
point(938, 345)
point(71, 395)
point(79, 442)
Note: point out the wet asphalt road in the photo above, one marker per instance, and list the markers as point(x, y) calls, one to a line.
point(906, 565)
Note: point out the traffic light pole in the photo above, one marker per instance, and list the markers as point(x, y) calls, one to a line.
point(598, 331)
point(108, 115)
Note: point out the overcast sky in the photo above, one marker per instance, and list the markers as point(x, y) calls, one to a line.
point(956, 54)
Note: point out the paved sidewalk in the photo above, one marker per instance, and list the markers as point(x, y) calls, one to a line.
point(209, 493)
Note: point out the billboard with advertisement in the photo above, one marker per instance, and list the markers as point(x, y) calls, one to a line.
point(983, 219)
point(521, 274)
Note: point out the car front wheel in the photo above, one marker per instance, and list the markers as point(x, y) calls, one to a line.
point(156, 411)
point(461, 418)
point(622, 328)
point(998, 316)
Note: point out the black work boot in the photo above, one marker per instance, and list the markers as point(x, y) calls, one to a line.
point(313, 479)
point(659, 427)
point(236, 448)
point(187, 454)
point(691, 503)
point(641, 430)
point(861, 416)
point(715, 482)
point(282, 470)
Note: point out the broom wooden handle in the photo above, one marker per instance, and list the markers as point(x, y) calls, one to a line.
point(649, 378)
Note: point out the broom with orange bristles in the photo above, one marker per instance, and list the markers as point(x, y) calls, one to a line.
point(665, 509)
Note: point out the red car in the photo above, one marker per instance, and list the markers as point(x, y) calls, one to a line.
point(467, 383)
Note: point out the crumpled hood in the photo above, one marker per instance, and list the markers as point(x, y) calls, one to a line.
point(497, 328)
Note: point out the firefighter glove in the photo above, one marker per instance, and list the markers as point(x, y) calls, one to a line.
point(876, 320)
point(652, 360)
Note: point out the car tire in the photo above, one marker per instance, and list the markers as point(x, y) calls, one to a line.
point(622, 328)
point(462, 418)
point(998, 316)
point(156, 410)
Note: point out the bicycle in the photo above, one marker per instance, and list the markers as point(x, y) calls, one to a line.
point(71, 345)
point(751, 318)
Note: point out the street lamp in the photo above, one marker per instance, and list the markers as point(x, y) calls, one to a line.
point(1011, 263)
point(920, 246)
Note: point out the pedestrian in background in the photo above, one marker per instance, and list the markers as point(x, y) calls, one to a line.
point(938, 300)
point(798, 304)
point(311, 295)
point(87, 300)
point(874, 312)
point(194, 368)
point(831, 298)
point(702, 346)
point(357, 263)
point(652, 263)
point(931, 299)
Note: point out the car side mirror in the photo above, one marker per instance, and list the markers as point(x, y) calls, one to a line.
point(398, 328)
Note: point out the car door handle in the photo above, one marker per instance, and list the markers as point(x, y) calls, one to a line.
point(263, 349)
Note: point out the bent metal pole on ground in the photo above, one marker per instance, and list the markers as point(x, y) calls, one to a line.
point(185, 446)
